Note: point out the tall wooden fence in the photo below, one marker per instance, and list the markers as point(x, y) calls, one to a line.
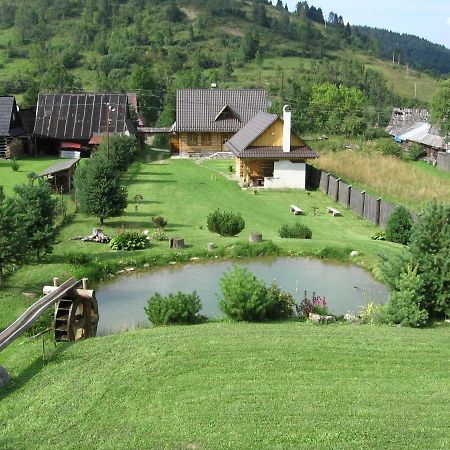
point(443, 161)
point(374, 209)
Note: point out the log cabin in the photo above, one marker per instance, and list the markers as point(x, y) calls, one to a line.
point(10, 123)
point(207, 118)
point(269, 154)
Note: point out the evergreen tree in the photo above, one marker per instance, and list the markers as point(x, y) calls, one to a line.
point(250, 45)
point(227, 68)
point(399, 224)
point(259, 14)
point(37, 214)
point(173, 13)
point(98, 189)
point(13, 248)
point(279, 4)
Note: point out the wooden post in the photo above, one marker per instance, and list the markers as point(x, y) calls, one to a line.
point(349, 195)
point(55, 282)
point(328, 183)
point(210, 246)
point(255, 237)
point(378, 213)
point(84, 281)
point(363, 203)
point(336, 197)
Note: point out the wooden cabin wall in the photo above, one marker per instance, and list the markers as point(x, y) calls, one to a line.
point(216, 142)
point(273, 137)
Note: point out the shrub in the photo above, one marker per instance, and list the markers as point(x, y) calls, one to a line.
point(315, 305)
point(174, 309)
point(379, 235)
point(399, 225)
point(159, 222)
point(297, 231)
point(159, 235)
point(129, 240)
point(404, 305)
point(244, 297)
point(77, 258)
point(283, 304)
point(15, 166)
point(416, 152)
point(225, 223)
point(389, 147)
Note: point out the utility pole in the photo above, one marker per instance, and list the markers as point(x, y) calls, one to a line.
point(110, 109)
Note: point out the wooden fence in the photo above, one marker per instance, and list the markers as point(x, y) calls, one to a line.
point(443, 161)
point(374, 209)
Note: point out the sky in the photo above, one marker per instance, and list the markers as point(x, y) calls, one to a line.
point(429, 19)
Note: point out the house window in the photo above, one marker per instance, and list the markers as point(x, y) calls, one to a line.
point(206, 139)
point(192, 139)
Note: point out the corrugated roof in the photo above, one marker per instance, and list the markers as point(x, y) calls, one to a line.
point(6, 108)
point(199, 109)
point(254, 128)
point(79, 116)
point(60, 167)
point(277, 153)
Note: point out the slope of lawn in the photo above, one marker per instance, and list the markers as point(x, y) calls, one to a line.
point(230, 385)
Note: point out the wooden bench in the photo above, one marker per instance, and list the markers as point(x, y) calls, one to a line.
point(295, 210)
point(333, 211)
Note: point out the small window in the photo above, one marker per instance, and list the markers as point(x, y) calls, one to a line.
point(192, 139)
point(206, 139)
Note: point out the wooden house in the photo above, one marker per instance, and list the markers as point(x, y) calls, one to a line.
point(10, 123)
point(207, 118)
point(269, 154)
point(74, 124)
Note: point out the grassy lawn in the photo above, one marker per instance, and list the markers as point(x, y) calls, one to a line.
point(229, 385)
point(185, 192)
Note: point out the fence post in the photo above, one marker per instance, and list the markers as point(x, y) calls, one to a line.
point(349, 194)
point(336, 197)
point(377, 215)
point(363, 193)
point(328, 183)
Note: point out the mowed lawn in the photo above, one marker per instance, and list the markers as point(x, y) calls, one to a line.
point(185, 192)
point(230, 385)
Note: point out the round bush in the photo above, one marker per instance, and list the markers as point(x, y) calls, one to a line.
point(225, 223)
point(174, 309)
point(296, 231)
point(399, 225)
point(129, 240)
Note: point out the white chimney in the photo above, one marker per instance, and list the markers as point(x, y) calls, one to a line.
point(286, 128)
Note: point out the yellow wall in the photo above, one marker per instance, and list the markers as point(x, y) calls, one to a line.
point(273, 137)
point(215, 146)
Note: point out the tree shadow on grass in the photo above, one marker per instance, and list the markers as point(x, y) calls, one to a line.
point(155, 173)
point(149, 181)
point(33, 369)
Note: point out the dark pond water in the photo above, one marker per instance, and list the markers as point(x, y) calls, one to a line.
point(122, 301)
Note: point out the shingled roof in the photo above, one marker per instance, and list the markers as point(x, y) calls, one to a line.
point(79, 116)
point(10, 124)
point(240, 143)
point(217, 110)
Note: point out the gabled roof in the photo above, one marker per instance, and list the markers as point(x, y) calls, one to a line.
point(240, 143)
point(9, 127)
point(79, 116)
point(201, 109)
point(246, 135)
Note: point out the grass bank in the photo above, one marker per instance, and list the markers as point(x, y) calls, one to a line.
point(227, 385)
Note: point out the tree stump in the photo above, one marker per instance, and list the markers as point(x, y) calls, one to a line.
point(176, 243)
point(210, 246)
point(255, 237)
point(4, 377)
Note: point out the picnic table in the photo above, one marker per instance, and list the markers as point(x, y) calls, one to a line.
point(333, 211)
point(296, 210)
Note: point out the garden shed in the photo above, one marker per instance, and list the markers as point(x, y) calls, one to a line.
point(60, 176)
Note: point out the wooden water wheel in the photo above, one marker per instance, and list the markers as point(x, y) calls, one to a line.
point(76, 317)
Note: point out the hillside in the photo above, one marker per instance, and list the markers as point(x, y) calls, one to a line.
point(153, 47)
point(229, 385)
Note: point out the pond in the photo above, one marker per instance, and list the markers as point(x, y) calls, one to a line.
point(122, 301)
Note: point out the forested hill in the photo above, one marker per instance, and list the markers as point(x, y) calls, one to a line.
point(412, 50)
point(154, 47)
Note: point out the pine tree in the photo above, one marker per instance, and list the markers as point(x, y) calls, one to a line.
point(37, 215)
point(13, 247)
point(98, 189)
point(227, 68)
point(399, 224)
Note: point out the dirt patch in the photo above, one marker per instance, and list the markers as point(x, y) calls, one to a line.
point(190, 13)
point(234, 31)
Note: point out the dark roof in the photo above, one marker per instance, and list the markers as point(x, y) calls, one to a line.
point(240, 143)
point(210, 110)
point(277, 152)
point(246, 135)
point(79, 116)
point(28, 117)
point(10, 125)
point(60, 167)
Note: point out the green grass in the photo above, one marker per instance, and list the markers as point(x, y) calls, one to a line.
point(185, 192)
point(227, 385)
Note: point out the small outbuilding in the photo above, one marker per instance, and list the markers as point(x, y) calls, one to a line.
point(269, 154)
point(60, 175)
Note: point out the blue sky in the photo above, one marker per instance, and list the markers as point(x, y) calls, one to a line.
point(429, 19)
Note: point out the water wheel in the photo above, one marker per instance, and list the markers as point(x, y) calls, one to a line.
point(76, 318)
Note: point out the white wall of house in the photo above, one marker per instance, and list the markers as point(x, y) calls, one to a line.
point(287, 175)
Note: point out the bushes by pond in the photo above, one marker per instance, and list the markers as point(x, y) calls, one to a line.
point(180, 308)
point(295, 231)
point(225, 223)
point(129, 240)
